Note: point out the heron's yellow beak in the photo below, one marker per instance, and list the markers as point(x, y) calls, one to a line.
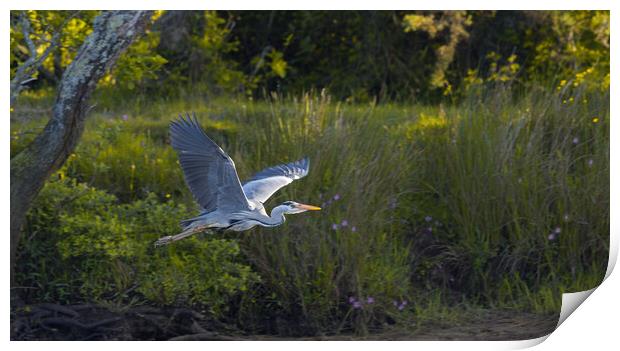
point(308, 207)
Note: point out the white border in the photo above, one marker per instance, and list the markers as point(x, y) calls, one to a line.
point(316, 5)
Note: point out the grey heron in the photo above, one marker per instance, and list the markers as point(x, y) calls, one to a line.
point(212, 179)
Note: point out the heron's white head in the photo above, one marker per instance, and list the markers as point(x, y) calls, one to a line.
point(293, 207)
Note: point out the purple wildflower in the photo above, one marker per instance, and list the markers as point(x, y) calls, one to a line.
point(353, 228)
point(551, 236)
point(351, 299)
point(124, 117)
point(357, 304)
point(557, 230)
point(428, 218)
point(336, 197)
point(590, 162)
point(370, 300)
point(401, 305)
point(335, 226)
point(344, 223)
point(575, 140)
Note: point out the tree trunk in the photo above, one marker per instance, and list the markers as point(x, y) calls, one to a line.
point(113, 31)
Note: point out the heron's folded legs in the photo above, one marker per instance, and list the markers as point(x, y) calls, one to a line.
point(170, 238)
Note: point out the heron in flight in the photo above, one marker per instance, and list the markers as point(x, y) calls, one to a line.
point(212, 178)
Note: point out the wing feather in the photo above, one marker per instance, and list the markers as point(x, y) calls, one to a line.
point(209, 172)
point(266, 182)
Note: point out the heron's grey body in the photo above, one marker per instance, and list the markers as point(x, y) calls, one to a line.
point(236, 221)
point(212, 178)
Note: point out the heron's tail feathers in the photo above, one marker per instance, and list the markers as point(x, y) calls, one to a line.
point(187, 222)
point(184, 234)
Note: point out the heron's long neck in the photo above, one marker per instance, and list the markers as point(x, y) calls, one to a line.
point(277, 215)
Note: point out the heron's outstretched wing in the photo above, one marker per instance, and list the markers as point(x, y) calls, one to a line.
point(209, 172)
point(266, 182)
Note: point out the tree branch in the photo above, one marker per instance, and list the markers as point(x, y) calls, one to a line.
point(24, 73)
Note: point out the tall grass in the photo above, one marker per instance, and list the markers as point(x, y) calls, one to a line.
point(498, 201)
point(525, 186)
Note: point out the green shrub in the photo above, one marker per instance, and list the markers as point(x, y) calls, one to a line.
point(89, 246)
point(197, 272)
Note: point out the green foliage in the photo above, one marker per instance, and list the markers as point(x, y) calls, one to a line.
point(278, 65)
point(198, 272)
point(357, 55)
point(399, 55)
point(576, 45)
point(73, 26)
point(456, 22)
point(88, 244)
point(138, 66)
point(134, 69)
point(78, 25)
point(197, 46)
point(213, 46)
point(558, 45)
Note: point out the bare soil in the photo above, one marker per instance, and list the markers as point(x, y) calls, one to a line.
point(95, 322)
